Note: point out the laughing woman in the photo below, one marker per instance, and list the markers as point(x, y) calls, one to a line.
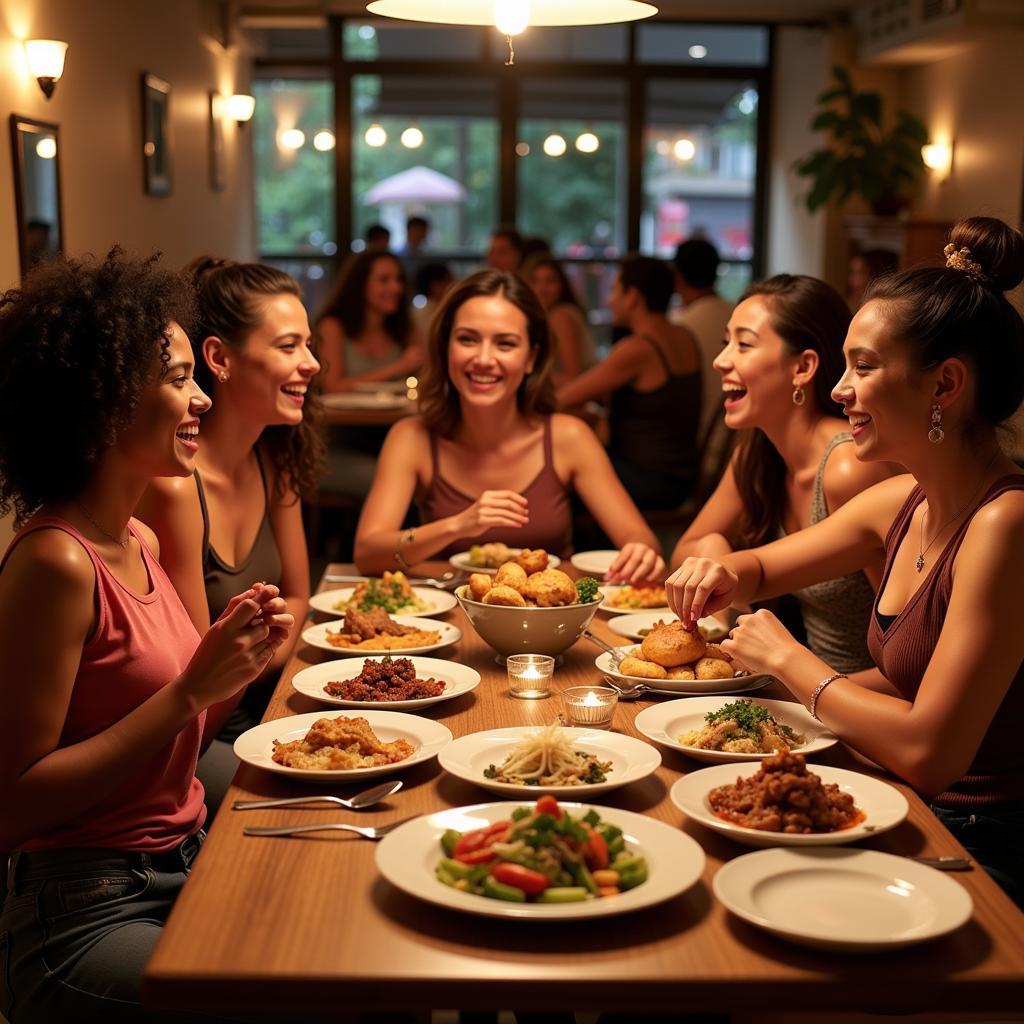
point(795, 462)
point(486, 459)
point(934, 364)
point(107, 689)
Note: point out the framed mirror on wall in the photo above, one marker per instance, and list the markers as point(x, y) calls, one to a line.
point(35, 148)
point(156, 143)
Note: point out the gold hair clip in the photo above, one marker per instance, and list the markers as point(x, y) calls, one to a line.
point(960, 259)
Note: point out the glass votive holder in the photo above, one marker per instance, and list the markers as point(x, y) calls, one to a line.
point(589, 707)
point(529, 675)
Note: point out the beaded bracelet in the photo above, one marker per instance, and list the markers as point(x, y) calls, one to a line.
point(813, 706)
point(404, 538)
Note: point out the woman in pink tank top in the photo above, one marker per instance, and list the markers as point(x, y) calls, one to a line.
point(487, 459)
point(106, 688)
point(934, 364)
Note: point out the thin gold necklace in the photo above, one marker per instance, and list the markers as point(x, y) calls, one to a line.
point(922, 548)
point(107, 534)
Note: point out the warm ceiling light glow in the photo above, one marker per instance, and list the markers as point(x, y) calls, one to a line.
point(45, 58)
point(375, 135)
point(240, 107)
point(522, 149)
point(663, 147)
point(587, 142)
point(324, 141)
point(540, 12)
point(698, 52)
point(511, 16)
point(684, 149)
point(555, 145)
point(46, 148)
point(938, 156)
point(412, 138)
point(291, 138)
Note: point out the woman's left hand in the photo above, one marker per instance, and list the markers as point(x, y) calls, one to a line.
point(637, 563)
point(760, 642)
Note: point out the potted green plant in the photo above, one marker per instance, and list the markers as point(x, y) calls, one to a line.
point(861, 158)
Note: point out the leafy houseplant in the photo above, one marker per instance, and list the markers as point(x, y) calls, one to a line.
point(861, 157)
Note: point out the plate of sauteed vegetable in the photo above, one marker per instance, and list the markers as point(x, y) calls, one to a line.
point(544, 860)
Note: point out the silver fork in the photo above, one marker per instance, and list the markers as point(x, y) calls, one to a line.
point(445, 582)
point(617, 653)
point(366, 831)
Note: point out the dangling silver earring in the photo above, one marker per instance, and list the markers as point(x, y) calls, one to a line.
point(936, 434)
point(798, 395)
point(222, 377)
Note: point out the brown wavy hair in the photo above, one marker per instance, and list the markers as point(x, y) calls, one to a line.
point(566, 292)
point(806, 314)
point(229, 297)
point(439, 401)
point(347, 299)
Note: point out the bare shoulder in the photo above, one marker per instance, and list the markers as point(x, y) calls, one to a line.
point(177, 491)
point(50, 562)
point(1001, 519)
point(568, 431)
point(148, 535)
point(846, 475)
point(411, 430)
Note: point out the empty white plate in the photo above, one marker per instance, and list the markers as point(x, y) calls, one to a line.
point(853, 901)
point(594, 563)
point(316, 636)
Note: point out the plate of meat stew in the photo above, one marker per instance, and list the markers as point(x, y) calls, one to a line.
point(780, 801)
point(376, 632)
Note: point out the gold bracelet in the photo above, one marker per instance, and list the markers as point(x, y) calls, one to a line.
point(404, 538)
point(813, 706)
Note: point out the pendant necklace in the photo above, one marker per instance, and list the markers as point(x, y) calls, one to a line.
point(106, 533)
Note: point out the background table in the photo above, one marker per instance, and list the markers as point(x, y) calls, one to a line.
point(299, 926)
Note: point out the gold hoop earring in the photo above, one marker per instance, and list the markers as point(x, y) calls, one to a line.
point(798, 396)
point(936, 434)
point(222, 377)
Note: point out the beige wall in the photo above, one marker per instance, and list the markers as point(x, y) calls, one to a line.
point(97, 106)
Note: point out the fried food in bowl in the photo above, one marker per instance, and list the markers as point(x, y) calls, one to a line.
point(501, 594)
point(550, 588)
point(479, 584)
point(682, 672)
point(511, 574)
point(670, 644)
point(713, 668)
point(532, 560)
point(632, 666)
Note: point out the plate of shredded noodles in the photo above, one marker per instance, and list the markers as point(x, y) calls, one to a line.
point(550, 759)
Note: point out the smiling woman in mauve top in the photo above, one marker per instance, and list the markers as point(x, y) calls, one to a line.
point(487, 459)
point(934, 364)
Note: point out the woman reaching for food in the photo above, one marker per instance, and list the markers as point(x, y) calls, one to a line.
point(237, 518)
point(107, 689)
point(795, 462)
point(487, 459)
point(934, 364)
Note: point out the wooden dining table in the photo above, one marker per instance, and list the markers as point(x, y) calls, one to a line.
point(293, 927)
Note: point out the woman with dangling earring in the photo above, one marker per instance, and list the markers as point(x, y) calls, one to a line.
point(794, 464)
point(934, 366)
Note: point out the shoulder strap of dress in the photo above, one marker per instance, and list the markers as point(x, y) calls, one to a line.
point(1011, 482)
point(819, 503)
point(205, 514)
point(549, 448)
point(661, 355)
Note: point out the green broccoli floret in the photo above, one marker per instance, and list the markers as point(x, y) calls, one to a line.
point(587, 590)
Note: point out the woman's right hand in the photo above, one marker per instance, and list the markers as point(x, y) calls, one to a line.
point(699, 587)
point(491, 509)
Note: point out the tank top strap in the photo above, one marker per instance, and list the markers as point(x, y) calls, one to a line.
point(205, 513)
point(263, 476)
point(549, 448)
point(435, 462)
point(819, 504)
point(662, 358)
point(1014, 482)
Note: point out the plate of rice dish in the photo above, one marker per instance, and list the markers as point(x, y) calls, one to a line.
point(619, 600)
point(398, 683)
point(376, 632)
point(725, 729)
point(331, 747)
point(391, 593)
point(552, 759)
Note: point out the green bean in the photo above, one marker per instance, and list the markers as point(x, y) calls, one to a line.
point(497, 891)
point(563, 894)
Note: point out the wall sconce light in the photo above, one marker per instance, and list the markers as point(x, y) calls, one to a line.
point(46, 62)
point(240, 107)
point(938, 156)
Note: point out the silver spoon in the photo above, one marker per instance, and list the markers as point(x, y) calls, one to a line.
point(355, 803)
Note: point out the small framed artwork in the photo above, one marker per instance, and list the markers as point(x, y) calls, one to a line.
point(35, 146)
point(156, 141)
point(216, 141)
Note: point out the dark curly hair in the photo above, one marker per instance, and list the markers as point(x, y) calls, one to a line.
point(79, 343)
point(229, 297)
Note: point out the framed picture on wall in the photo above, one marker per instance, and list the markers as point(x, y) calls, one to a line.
point(216, 141)
point(156, 141)
point(35, 147)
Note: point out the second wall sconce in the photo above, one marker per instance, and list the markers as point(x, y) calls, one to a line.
point(46, 62)
point(938, 156)
point(240, 107)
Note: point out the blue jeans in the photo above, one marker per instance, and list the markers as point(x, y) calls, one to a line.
point(994, 837)
point(77, 929)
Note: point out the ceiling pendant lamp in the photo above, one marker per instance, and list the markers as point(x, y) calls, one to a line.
point(510, 17)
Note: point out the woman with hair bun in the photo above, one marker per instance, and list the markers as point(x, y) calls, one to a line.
point(237, 518)
point(794, 464)
point(107, 690)
point(487, 459)
point(934, 365)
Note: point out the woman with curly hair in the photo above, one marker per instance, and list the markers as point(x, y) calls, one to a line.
point(107, 690)
point(487, 459)
point(238, 518)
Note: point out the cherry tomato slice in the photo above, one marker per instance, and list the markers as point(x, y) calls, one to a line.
point(596, 852)
point(481, 856)
point(549, 805)
point(531, 882)
point(471, 841)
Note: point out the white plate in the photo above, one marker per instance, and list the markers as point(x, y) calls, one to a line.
point(701, 686)
point(382, 400)
point(606, 606)
point(408, 856)
point(853, 901)
point(630, 625)
point(883, 805)
point(594, 563)
point(662, 723)
point(438, 601)
point(256, 746)
point(458, 679)
point(468, 756)
point(461, 561)
point(316, 636)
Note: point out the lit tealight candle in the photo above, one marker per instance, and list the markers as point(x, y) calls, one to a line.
point(529, 675)
point(592, 707)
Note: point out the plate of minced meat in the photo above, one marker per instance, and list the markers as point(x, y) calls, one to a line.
point(390, 682)
point(377, 632)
